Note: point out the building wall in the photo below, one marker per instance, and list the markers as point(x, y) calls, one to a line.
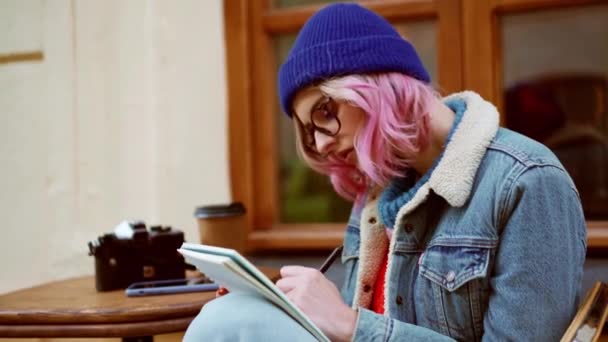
point(124, 117)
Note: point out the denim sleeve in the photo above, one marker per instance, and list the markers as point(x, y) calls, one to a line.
point(350, 252)
point(374, 327)
point(539, 261)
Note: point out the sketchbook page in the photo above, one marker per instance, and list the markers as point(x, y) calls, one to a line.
point(224, 271)
point(248, 271)
point(215, 267)
point(249, 268)
point(240, 260)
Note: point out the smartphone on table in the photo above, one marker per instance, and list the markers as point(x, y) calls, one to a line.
point(161, 287)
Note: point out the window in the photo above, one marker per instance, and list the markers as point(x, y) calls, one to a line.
point(463, 44)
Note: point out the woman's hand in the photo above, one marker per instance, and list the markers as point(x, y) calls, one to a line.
point(320, 300)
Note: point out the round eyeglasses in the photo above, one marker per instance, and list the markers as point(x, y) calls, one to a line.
point(323, 119)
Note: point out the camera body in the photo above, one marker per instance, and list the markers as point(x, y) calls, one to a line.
point(147, 255)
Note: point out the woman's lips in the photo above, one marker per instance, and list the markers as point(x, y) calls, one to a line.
point(351, 156)
point(348, 156)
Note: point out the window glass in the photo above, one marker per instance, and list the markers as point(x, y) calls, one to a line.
point(556, 91)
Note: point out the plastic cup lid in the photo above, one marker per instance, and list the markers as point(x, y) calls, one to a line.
point(221, 210)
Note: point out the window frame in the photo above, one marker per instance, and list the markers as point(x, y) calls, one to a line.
point(483, 65)
point(469, 57)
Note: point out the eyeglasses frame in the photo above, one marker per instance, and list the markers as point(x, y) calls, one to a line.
point(309, 130)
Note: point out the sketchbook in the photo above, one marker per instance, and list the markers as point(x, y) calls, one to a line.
point(230, 269)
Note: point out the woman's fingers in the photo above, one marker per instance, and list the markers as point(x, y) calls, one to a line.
point(287, 284)
point(294, 271)
point(294, 277)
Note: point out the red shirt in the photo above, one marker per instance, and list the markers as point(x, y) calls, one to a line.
point(378, 295)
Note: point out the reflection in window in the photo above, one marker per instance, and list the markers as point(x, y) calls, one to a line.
point(423, 36)
point(556, 92)
point(304, 195)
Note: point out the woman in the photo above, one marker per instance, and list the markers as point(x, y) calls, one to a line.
point(460, 229)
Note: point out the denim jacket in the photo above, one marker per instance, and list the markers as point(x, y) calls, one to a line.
point(488, 245)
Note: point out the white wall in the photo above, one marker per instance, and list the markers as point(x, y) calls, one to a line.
point(123, 118)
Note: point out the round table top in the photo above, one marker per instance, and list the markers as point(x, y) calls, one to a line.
point(77, 301)
point(73, 307)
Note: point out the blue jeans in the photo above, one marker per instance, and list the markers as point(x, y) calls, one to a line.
point(243, 317)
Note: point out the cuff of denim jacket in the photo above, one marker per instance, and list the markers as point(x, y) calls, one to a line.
point(372, 326)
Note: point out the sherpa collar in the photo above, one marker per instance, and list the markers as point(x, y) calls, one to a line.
point(452, 179)
point(453, 176)
point(402, 189)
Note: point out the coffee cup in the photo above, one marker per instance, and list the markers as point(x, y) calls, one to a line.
point(222, 225)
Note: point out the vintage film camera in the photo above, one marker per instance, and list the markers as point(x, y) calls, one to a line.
point(145, 255)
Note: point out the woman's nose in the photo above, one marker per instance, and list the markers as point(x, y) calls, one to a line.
point(324, 143)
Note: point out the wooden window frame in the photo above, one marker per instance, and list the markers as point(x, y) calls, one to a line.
point(483, 63)
point(249, 28)
point(469, 57)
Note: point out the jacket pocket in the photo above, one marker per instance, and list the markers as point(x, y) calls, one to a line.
point(451, 262)
point(454, 284)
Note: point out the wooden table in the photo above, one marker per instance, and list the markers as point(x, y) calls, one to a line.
point(73, 308)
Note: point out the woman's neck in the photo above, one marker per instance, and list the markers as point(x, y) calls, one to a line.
point(441, 119)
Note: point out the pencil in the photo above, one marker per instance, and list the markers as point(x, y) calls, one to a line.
point(330, 260)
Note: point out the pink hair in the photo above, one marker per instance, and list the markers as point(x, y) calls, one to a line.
point(395, 129)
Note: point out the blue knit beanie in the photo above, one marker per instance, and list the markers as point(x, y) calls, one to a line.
point(343, 39)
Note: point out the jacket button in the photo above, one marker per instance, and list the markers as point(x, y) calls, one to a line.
point(408, 227)
point(366, 288)
point(399, 300)
point(372, 220)
point(449, 277)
